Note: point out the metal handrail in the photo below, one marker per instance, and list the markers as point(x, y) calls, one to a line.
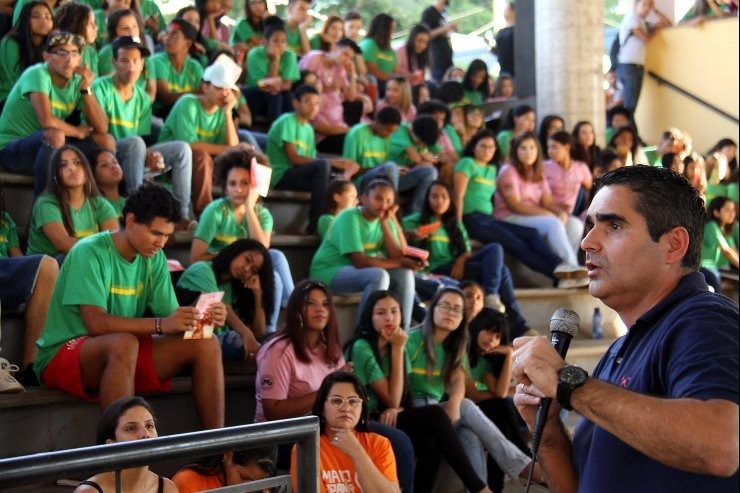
point(303, 431)
point(693, 96)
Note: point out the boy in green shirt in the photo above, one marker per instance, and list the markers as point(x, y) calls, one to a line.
point(369, 144)
point(291, 147)
point(296, 22)
point(96, 343)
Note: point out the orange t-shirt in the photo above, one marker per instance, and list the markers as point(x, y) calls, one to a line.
point(337, 471)
point(189, 481)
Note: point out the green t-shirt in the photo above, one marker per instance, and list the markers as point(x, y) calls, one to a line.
point(186, 80)
point(714, 238)
point(438, 243)
point(149, 8)
point(125, 118)
point(315, 42)
point(86, 221)
point(94, 273)
point(454, 138)
point(485, 364)
point(385, 60)
point(117, 205)
point(294, 39)
point(400, 140)
point(258, 66)
point(17, 9)
point(189, 122)
point(367, 368)
point(472, 97)
point(8, 235)
point(423, 385)
point(218, 227)
point(200, 278)
point(102, 21)
point(365, 148)
point(351, 232)
point(287, 128)
point(243, 32)
point(90, 59)
point(325, 222)
point(19, 119)
point(503, 141)
point(481, 186)
point(10, 65)
point(105, 66)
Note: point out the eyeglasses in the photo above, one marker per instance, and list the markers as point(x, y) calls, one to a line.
point(66, 54)
point(338, 402)
point(455, 310)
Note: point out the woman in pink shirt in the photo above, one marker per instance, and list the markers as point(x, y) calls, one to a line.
point(523, 197)
point(413, 56)
point(398, 95)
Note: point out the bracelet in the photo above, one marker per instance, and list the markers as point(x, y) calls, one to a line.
point(158, 326)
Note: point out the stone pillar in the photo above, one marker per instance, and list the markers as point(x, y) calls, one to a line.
point(569, 62)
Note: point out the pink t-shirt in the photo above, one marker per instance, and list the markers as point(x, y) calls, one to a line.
point(280, 375)
point(402, 67)
point(406, 117)
point(528, 192)
point(565, 184)
point(332, 80)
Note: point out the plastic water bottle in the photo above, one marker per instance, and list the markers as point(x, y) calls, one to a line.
point(597, 327)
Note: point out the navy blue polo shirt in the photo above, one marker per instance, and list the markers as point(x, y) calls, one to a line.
point(686, 346)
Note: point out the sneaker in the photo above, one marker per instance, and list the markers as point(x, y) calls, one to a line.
point(573, 283)
point(8, 384)
point(494, 301)
point(565, 270)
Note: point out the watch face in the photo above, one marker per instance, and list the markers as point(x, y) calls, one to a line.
point(573, 375)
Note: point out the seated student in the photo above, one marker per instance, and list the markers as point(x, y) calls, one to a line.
point(292, 151)
point(363, 250)
point(24, 279)
point(616, 118)
point(32, 124)
point(467, 120)
point(129, 111)
point(125, 420)
point(103, 10)
point(503, 89)
point(626, 143)
point(203, 47)
point(240, 214)
point(398, 95)
point(247, 33)
point(450, 255)
point(584, 145)
point(71, 208)
point(413, 56)
point(476, 83)
point(488, 380)
point(243, 271)
point(380, 361)
point(369, 145)
point(212, 29)
point(227, 469)
point(205, 122)
point(518, 120)
point(23, 45)
point(449, 140)
point(352, 28)
point(548, 126)
point(79, 19)
point(420, 94)
point(108, 177)
point(339, 93)
point(340, 195)
point(331, 32)
point(719, 248)
point(377, 52)
point(97, 344)
point(297, 19)
point(671, 142)
point(19, 4)
point(523, 197)
point(351, 456)
point(271, 70)
point(154, 20)
point(475, 184)
point(415, 151)
point(177, 72)
point(127, 22)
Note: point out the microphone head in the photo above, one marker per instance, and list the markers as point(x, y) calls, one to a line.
point(564, 320)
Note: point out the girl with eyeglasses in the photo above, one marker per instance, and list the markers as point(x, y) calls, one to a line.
point(380, 362)
point(352, 458)
point(437, 369)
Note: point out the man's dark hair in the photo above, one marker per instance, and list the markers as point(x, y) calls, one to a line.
point(426, 129)
point(271, 25)
point(388, 116)
point(151, 201)
point(303, 90)
point(348, 42)
point(618, 110)
point(434, 106)
point(352, 15)
point(666, 200)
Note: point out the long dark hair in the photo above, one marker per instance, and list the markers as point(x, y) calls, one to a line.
point(59, 192)
point(476, 66)
point(484, 133)
point(264, 457)
point(115, 18)
point(417, 61)
point(449, 221)
point(72, 17)
point(516, 111)
point(635, 141)
point(335, 187)
point(380, 30)
point(591, 155)
point(455, 345)
point(731, 163)
point(323, 393)
point(715, 205)
point(545, 126)
point(109, 420)
point(488, 320)
point(255, 22)
point(242, 296)
point(21, 33)
point(92, 158)
point(366, 331)
point(293, 328)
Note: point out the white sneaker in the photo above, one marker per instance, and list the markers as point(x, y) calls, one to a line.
point(8, 384)
point(494, 301)
point(564, 270)
point(574, 283)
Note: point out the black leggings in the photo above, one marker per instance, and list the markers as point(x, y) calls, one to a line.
point(433, 436)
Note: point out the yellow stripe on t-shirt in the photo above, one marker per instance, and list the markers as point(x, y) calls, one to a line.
point(377, 154)
point(226, 239)
point(369, 246)
point(61, 106)
point(178, 88)
point(302, 145)
point(423, 371)
point(384, 56)
point(127, 291)
point(122, 123)
point(478, 179)
point(204, 132)
point(83, 234)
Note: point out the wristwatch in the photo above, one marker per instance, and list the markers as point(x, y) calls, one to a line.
point(570, 377)
point(86, 91)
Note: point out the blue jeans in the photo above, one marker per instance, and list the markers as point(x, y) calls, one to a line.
point(131, 153)
point(630, 77)
point(312, 177)
point(400, 281)
point(415, 180)
point(552, 230)
point(403, 449)
point(520, 241)
point(283, 286)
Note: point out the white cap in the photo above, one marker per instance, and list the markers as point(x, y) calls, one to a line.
point(221, 75)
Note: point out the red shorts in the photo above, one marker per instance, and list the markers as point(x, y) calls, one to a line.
point(63, 371)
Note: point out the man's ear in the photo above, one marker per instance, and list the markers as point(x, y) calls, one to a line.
point(678, 244)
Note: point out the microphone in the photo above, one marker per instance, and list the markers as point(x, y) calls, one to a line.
point(563, 326)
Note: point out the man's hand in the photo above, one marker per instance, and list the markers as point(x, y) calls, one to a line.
point(154, 161)
point(182, 319)
point(83, 132)
point(87, 76)
point(536, 365)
